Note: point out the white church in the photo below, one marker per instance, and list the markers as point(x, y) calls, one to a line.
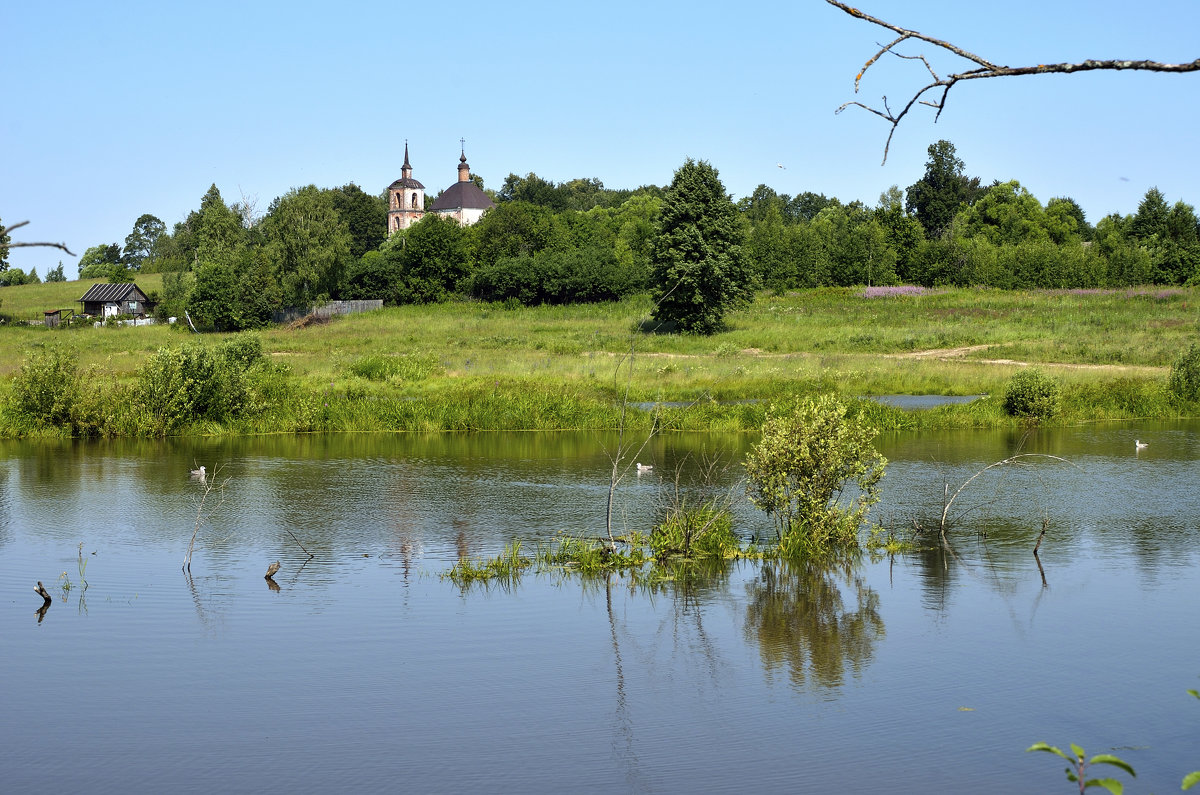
point(463, 201)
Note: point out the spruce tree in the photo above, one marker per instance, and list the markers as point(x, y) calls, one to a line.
point(699, 270)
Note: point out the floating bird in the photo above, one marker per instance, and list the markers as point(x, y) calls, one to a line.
point(272, 569)
point(781, 165)
point(1138, 444)
point(197, 473)
point(644, 467)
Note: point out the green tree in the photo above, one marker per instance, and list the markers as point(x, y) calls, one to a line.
point(938, 196)
point(434, 259)
point(1007, 214)
point(100, 262)
point(699, 272)
point(308, 243)
point(1063, 209)
point(809, 455)
point(56, 274)
point(141, 242)
point(365, 216)
point(5, 239)
point(218, 230)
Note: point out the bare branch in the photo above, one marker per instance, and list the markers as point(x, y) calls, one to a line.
point(985, 69)
point(6, 230)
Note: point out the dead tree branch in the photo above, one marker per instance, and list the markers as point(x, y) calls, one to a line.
point(984, 69)
point(7, 229)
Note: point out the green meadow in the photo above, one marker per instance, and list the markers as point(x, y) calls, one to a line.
point(475, 366)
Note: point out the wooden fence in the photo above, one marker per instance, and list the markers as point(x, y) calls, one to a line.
point(327, 310)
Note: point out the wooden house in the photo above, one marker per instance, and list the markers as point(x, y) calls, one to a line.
point(108, 300)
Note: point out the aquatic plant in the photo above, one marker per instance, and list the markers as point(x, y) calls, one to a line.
point(810, 453)
point(505, 567)
point(1079, 764)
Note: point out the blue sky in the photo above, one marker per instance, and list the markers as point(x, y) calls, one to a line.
point(114, 110)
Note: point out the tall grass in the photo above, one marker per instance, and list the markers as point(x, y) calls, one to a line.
point(472, 366)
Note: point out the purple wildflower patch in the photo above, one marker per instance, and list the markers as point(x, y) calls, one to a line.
point(893, 291)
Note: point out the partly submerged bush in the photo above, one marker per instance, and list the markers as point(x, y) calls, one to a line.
point(1184, 382)
point(810, 457)
point(703, 532)
point(1031, 394)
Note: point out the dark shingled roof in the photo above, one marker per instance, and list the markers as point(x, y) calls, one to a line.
point(466, 195)
point(405, 183)
point(109, 292)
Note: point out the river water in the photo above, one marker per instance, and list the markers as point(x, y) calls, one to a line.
point(365, 668)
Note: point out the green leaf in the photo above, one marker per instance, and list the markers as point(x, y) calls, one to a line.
point(1110, 784)
point(1190, 779)
point(1075, 749)
point(1195, 693)
point(1048, 749)
point(1109, 759)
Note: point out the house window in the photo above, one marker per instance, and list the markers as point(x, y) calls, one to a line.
point(132, 307)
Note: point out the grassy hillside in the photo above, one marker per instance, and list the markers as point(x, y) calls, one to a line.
point(1110, 351)
point(29, 301)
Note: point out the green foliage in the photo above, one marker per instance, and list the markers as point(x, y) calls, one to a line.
point(5, 239)
point(505, 568)
point(101, 262)
point(433, 258)
point(699, 270)
point(46, 390)
point(406, 367)
point(365, 217)
point(944, 189)
point(558, 277)
point(56, 274)
point(307, 245)
point(810, 453)
point(1008, 214)
point(142, 242)
point(1184, 382)
point(1033, 395)
point(1079, 764)
point(178, 386)
point(704, 531)
point(378, 274)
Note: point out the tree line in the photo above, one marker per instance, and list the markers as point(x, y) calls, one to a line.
point(697, 251)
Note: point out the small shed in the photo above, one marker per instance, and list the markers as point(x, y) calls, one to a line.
point(54, 317)
point(108, 300)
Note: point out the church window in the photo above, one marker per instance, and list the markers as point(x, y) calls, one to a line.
point(414, 200)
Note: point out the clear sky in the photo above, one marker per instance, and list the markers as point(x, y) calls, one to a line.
point(112, 110)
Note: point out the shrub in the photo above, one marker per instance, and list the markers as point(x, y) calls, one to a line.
point(47, 388)
point(1184, 382)
point(1033, 395)
point(181, 385)
point(703, 532)
point(809, 454)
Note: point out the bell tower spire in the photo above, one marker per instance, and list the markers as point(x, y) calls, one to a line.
point(406, 198)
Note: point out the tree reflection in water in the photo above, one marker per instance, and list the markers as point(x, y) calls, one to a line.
point(797, 612)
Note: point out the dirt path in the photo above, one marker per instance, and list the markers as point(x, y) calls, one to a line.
point(947, 354)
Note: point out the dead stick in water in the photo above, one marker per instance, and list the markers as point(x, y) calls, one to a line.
point(306, 552)
point(40, 590)
point(1041, 535)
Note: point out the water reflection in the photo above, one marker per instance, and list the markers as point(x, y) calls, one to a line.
point(798, 616)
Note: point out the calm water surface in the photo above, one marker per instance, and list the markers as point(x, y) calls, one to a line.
point(925, 672)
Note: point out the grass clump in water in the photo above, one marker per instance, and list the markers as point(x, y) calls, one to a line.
point(506, 568)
